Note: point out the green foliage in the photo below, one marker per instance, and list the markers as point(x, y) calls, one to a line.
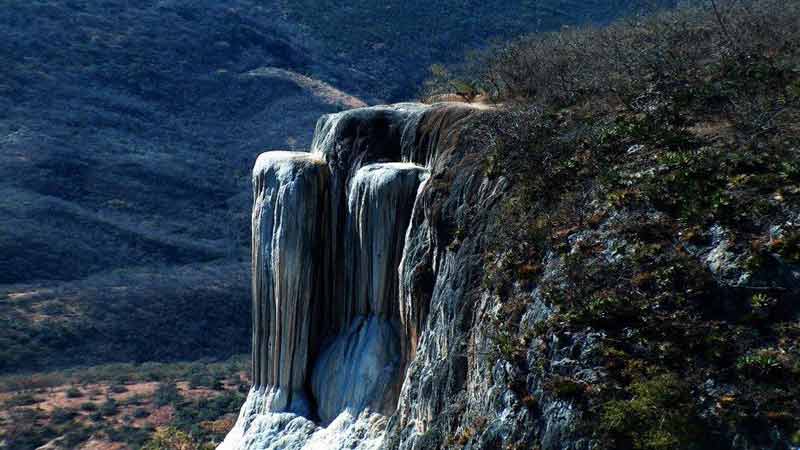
point(508, 345)
point(134, 437)
point(74, 392)
point(796, 438)
point(202, 378)
point(763, 363)
point(76, 436)
point(167, 394)
point(23, 399)
point(659, 415)
point(109, 407)
point(190, 415)
point(789, 247)
point(60, 416)
point(117, 388)
point(88, 406)
point(170, 438)
point(566, 388)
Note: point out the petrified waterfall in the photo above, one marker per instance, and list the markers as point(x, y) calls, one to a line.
point(359, 367)
point(288, 232)
point(329, 228)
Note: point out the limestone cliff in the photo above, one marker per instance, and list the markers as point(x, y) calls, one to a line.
point(348, 254)
point(381, 319)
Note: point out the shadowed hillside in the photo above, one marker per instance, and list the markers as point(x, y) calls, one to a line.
point(127, 133)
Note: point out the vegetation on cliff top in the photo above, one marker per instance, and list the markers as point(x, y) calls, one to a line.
point(658, 162)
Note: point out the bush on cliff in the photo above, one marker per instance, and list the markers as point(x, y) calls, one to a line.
point(655, 190)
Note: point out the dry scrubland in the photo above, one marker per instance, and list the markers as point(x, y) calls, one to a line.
point(154, 406)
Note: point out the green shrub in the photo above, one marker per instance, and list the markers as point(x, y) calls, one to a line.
point(133, 437)
point(109, 408)
point(61, 415)
point(76, 436)
point(659, 415)
point(166, 394)
point(796, 438)
point(88, 406)
point(764, 364)
point(23, 399)
point(200, 379)
point(117, 389)
point(170, 438)
point(566, 388)
point(789, 247)
point(74, 392)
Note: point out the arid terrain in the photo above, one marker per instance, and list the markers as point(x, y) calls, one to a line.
point(118, 407)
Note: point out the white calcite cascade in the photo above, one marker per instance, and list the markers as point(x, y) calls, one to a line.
point(289, 192)
point(380, 200)
point(329, 231)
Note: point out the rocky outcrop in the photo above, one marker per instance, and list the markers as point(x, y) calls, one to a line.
point(289, 192)
point(395, 320)
point(329, 229)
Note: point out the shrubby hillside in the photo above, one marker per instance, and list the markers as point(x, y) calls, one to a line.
point(650, 293)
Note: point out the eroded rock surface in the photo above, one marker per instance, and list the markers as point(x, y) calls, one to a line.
point(395, 320)
point(329, 229)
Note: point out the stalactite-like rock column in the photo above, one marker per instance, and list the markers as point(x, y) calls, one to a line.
point(380, 200)
point(360, 369)
point(345, 255)
point(288, 232)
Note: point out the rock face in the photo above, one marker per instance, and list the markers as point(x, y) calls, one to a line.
point(372, 323)
point(329, 230)
point(289, 192)
point(380, 200)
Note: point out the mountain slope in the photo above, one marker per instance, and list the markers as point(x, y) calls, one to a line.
point(127, 130)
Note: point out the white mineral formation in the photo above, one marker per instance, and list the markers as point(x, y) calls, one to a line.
point(380, 200)
point(289, 193)
point(358, 370)
point(329, 231)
